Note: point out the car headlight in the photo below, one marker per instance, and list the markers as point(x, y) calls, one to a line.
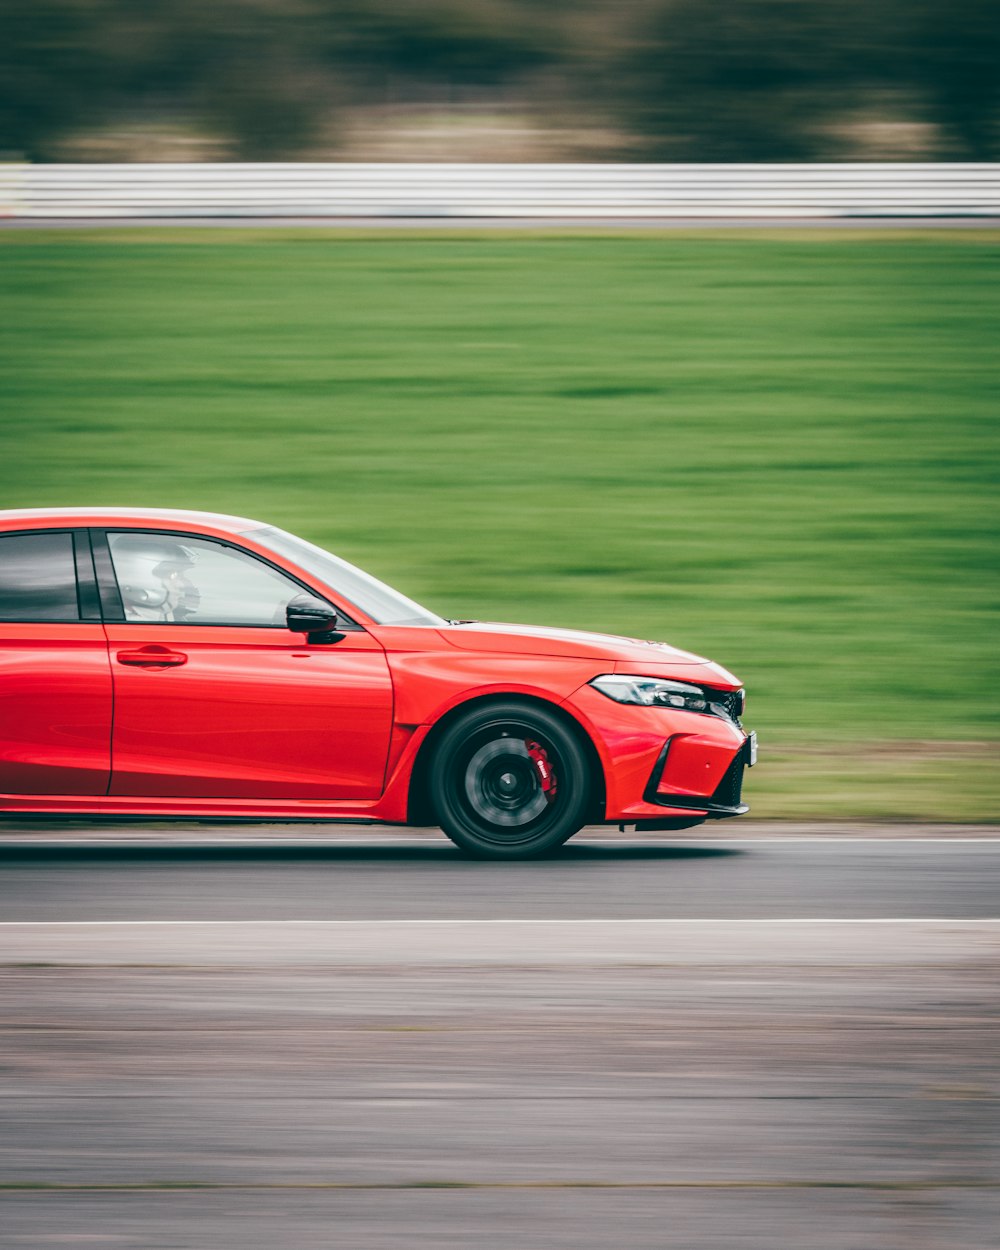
point(661, 692)
point(652, 692)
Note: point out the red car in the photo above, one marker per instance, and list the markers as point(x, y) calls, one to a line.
point(165, 663)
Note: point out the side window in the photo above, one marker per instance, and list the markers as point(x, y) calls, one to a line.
point(193, 581)
point(37, 577)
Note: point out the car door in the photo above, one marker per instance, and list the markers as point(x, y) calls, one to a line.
point(55, 677)
point(216, 698)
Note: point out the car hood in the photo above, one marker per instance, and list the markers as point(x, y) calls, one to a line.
point(623, 654)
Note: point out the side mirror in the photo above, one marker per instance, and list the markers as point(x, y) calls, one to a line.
point(305, 615)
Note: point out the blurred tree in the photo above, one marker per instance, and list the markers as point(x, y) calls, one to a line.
point(51, 74)
point(244, 68)
point(732, 80)
point(744, 80)
point(956, 63)
point(447, 40)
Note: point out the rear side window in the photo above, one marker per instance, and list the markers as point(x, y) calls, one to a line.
point(37, 577)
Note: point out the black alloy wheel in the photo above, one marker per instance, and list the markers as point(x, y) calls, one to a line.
point(510, 781)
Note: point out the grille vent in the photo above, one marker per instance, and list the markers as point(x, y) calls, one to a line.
point(731, 701)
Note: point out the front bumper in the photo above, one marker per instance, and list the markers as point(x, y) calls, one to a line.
point(725, 799)
point(660, 763)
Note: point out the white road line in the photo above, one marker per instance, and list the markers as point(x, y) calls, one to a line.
point(664, 941)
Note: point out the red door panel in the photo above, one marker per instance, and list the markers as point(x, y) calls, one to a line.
point(55, 709)
point(240, 712)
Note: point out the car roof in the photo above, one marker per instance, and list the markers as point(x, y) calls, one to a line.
point(161, 517)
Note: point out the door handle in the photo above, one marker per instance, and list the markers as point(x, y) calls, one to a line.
point(152, 657)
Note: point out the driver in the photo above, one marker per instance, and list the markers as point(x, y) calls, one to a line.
point(152, 576)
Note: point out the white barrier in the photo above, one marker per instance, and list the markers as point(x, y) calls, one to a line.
point(477, 191)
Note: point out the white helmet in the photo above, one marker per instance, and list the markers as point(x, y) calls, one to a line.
point(152, 576)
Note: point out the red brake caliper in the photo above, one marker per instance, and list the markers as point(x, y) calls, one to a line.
point(546, 777)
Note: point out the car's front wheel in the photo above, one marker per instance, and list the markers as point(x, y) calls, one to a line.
point(509, 781)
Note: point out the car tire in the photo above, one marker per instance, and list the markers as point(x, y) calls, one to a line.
point(510, 781)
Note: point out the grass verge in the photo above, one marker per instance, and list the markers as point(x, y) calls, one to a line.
point(780, 450)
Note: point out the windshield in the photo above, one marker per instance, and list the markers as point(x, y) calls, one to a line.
point(384, 605)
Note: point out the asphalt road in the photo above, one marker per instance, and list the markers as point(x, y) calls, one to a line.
point(368, 878)
point(378, 1044)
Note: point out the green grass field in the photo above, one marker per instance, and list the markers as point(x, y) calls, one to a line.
point(776, 449)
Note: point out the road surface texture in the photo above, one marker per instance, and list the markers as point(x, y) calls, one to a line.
point(213, 1038)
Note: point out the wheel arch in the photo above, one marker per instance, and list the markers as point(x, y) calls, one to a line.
point(419, 810)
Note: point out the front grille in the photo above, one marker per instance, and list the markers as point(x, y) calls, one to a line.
point(731, 702)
